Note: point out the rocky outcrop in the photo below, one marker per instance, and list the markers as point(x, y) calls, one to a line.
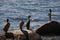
point(22, 35)
point(49, 29)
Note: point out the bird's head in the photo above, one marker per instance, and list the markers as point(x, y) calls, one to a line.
point(7, 20)
point(29, 16)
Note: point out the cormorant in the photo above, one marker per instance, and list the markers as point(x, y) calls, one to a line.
point(28, 22)
point(21, 24)
point(49, 14)
point(6, 27)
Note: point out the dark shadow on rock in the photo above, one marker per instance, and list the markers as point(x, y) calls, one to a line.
point(51, 28)
point(9, 35)
point(26, 35)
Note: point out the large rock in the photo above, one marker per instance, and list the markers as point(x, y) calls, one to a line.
point(51, 28)
point(23, 35)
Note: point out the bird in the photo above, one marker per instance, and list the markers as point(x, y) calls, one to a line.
point(28, 22)
point(21, 24)
point(6, 27)
point(49, 14)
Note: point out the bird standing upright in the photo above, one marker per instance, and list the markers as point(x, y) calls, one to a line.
point(49, 14)
point(28, 22)
point(6, 27)
point(21, 24)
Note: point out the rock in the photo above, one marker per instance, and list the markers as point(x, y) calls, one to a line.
point(9, 35)
point(23, 35)
point(49, 29)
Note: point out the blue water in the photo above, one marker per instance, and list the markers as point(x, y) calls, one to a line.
point(38, 9)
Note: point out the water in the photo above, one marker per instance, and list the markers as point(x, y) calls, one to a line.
point(38, 9)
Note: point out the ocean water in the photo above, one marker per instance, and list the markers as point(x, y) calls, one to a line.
point(15, 10)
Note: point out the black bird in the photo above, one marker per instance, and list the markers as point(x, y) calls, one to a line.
point(6, 27)
point(21, 24)
point(49, 14)
point(28, 22)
